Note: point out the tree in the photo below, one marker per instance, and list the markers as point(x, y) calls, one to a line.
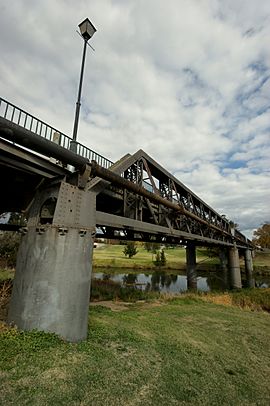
point(160, 258)
point(262, 236)
point(130, 249)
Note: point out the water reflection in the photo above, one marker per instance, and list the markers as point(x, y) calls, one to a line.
point(165, 281)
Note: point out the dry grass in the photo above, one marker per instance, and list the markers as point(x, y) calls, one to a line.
point(5, 292)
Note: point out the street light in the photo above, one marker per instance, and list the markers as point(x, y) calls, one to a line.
point(87, 31)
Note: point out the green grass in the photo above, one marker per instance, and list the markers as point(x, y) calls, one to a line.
point(183, 351)
point(112, 256)
point(262, 259)
point(6, 273)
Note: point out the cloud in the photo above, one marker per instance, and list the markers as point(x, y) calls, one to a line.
point(186, 81)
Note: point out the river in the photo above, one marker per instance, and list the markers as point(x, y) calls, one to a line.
point(170, 282)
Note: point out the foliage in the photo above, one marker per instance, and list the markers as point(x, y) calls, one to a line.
point(9, 244)
point(152, 247)
point(255, 299)
point(130, 249)
point(262, 236)
point(160, 258)
point(17, 218)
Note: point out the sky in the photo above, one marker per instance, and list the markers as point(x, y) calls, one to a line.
point(187, 81)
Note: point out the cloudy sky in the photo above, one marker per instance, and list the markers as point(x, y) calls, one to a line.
point(188, 81)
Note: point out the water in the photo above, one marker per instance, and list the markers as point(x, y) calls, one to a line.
point(166, 281)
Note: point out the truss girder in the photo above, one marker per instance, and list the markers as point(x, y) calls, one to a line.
point(194, 217)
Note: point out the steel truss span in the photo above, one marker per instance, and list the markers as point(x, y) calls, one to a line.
point(142, 201)
point(135, 197)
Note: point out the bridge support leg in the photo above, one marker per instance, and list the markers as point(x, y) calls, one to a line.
point(52, 281)
point(223, 257)
point(191, 266)
point(234, 267)
point(249, 268)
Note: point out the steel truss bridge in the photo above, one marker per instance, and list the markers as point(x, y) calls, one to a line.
point(136, 199)
point(72, 196)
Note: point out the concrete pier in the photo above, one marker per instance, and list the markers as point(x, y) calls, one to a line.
point(191, 266)
point(249, 268)
point(234, 268)
point(223, 257)
point(51, 288)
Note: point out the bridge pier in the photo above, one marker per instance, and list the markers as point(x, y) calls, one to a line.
point(223, 257)
point(191, 266)
point(234, 268)
point(53, 272)
point(249, 268)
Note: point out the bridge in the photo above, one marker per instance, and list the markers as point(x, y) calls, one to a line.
point(71, 195)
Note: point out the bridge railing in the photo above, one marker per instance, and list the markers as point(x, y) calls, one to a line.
point(20, 117)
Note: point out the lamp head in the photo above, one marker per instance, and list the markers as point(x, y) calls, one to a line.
point(87, 29)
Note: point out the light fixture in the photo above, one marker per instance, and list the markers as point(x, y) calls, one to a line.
point(87, 29)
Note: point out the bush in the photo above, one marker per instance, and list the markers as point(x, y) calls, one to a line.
point(130, 249)
point(9, 244)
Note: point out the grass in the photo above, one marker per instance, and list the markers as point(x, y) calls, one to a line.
point(261, 260)
point(112, 256)
point(181, 351)
point(6, 273)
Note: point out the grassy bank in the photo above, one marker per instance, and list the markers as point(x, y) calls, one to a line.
point(112, 256)
point(172, 352)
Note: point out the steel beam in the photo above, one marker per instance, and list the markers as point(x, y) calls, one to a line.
point(28, 139)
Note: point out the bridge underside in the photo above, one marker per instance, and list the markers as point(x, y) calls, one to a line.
point(22, 172)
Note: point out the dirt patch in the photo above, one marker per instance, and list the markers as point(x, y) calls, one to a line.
point(117, 306)
point(113, 305)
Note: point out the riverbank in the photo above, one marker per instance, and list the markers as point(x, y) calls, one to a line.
point(173, 351)
point(111, 256)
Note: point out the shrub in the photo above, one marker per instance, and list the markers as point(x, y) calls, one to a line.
point(130, 249)
point(9, 244)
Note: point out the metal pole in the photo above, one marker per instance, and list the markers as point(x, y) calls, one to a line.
point(73, 143)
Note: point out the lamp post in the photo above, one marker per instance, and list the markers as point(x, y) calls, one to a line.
point(87, 30)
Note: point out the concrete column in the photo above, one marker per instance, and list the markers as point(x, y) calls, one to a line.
point(249, 268)
point(52, 280)
point(223, 257)
point(234, 267)
point(191, 266)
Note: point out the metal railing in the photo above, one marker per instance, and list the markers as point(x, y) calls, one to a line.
point(20, 117)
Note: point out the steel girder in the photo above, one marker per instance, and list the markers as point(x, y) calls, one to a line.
point(193, 219)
